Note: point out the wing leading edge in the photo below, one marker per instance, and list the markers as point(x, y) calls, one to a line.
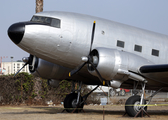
point(155, 72)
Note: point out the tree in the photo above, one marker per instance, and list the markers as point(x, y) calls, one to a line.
point(37, 84)
point(39, 6)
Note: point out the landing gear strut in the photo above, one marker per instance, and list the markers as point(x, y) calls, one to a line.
point(74, 102)
point(136, 106)
point(70, 103)
point(133, 106)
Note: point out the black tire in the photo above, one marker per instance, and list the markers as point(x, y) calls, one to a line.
point(69, 103)
point(131, 106)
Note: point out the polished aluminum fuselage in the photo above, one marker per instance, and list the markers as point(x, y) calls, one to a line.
point(66, 45)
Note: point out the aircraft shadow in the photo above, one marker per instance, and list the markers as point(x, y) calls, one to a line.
point(58, 110)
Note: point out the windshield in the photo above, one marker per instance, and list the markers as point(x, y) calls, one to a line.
point(47, 20)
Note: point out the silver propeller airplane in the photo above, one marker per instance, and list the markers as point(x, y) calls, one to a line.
point(93, 51)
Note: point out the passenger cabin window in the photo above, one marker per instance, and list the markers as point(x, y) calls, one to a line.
point(138, 48)
point(120, 43)
point(47, 20)
point(155, 52)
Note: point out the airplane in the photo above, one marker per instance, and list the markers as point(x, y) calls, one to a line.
point(93, 51)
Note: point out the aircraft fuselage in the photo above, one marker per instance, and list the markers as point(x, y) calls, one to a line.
point(67, 44)
point(63, 38)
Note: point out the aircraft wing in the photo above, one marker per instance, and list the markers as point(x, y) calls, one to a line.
point(155, 72)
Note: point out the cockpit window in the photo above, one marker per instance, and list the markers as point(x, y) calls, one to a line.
point(47, 20)
point(55, 23)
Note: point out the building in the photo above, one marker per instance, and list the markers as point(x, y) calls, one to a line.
point(13, 67)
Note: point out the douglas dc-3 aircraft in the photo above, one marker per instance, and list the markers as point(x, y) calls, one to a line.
point(93, 51)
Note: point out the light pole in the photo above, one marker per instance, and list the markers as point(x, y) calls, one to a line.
point(11, 64)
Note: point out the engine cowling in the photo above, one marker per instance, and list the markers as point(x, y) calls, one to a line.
point(41, 68)
point(110, 62)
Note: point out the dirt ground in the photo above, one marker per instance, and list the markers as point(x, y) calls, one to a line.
point(92, 112)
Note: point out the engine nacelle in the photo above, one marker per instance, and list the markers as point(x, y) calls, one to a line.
point(109, 62)
point(41, 68)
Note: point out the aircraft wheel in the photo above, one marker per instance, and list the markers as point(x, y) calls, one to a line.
point(70, 102)
point(122, 92)
point(112, 92)
point(132, 106)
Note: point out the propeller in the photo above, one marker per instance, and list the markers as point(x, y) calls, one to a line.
point(88, 60)
point(27, 61)
point(92, 37)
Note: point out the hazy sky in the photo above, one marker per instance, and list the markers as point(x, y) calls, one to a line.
point(147, 14)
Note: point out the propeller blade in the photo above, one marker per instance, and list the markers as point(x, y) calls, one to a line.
point(21, 69)
point(81, 66)
point(99, 75)
point(77, 69)
point(92, 37)
point(26, 60)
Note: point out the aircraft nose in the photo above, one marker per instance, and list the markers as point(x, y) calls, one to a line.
point(16, 32)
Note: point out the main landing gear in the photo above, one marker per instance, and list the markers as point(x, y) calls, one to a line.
point(71, 104)
point(136, 106)
point(74, 102)
point(133, 106)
